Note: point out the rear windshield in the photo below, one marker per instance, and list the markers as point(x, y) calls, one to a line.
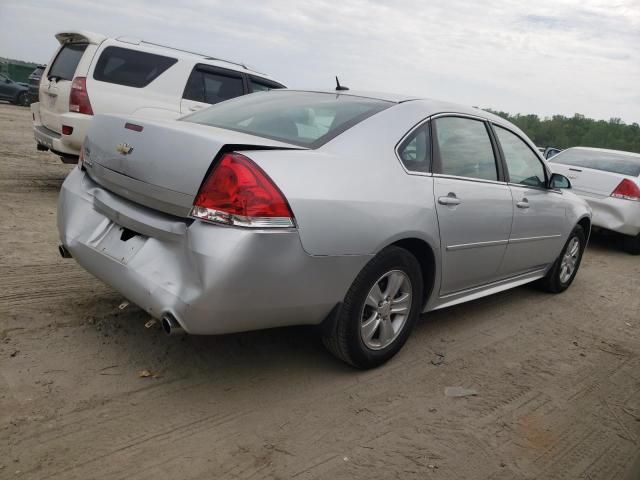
point(65, 64)
point(131, 68)
point(306, 119)
point(623, 163)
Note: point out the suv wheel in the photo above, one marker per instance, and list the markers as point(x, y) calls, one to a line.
point(379, 310)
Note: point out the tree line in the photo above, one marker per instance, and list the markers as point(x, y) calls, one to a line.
point(577, 131)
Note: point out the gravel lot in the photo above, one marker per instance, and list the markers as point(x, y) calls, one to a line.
point(558, 377)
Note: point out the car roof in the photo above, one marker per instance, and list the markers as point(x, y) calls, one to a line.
point(431, 105)
point(96, 38)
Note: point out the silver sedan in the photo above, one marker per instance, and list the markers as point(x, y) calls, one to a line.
point(355, 212)
point(609, 180)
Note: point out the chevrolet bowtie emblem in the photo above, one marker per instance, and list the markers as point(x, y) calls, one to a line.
point(124, 148)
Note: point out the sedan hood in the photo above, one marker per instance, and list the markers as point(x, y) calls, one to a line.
point(159, 163)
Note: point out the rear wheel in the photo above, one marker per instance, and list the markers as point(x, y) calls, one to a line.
point(631, 244)
point(379, 310)
point(565, 268)
point(22, 99)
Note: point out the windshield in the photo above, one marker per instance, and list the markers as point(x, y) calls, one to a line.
point(616, 162)
point(306, 119)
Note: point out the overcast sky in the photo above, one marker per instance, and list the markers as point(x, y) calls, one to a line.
point(544, 57)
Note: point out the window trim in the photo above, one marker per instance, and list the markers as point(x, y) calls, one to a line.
point(507, 178)
point(436, 160)
point(422, 123)
point(223, 72)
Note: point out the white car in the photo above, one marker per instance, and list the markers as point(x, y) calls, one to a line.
point(91, 74)
point(609, 180)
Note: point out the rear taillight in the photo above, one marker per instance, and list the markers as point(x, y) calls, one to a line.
point(79, 98)
point(627, 190)
point(238, 192)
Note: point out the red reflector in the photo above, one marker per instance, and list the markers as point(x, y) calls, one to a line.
point(79, 98)
point(238, 192)
point(133, 126)
point(67, 130)
point(627, 190)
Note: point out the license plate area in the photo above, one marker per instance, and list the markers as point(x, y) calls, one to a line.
point(120, 243)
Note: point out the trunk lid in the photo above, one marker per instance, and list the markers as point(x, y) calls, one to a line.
point(163, 165)
point(590, 182)
point(72, 59)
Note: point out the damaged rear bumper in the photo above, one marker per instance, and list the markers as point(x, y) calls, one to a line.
point(211, 279)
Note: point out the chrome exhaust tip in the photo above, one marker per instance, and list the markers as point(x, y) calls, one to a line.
point(170, 325)
point(64, 253)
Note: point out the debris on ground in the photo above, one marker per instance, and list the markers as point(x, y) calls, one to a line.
point(457, 392)
point(150, 323)
point(438, 360)
point(145, 374)
point(123, 305)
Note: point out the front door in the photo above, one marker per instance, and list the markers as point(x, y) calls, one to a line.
point(539, 213)
point(473, 204)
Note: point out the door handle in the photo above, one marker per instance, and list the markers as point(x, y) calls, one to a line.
point(450, 199)
point(195, 108)
point(524, 203)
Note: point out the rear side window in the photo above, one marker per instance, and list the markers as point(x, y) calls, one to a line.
point(523, 165)
point(623, 163)
point(130, 68)
point(464, 148)
point(415, 150)
point(65, 64)
point(210, 87)
point(307, 119)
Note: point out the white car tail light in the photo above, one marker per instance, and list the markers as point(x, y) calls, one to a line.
point(79, 98)
point(627, 190)
point(237, 192)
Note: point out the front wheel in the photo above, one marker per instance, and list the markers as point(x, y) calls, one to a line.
point(379, 310)
point(565, 268)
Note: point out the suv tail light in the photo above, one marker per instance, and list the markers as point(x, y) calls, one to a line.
point(79, 98)
point(627, 190)
point(238, 192)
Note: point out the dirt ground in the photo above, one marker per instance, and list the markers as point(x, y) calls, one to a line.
point(558, 377)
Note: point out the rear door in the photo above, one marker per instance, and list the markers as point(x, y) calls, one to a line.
point(209, 85)
point(473, 203)
point(539, 217)
point(71, 60)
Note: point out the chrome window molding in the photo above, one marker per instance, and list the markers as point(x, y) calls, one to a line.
point(469, 179)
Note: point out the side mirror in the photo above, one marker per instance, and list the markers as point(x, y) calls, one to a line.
point(559, 181)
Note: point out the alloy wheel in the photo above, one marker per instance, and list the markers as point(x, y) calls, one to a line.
point(570, 260)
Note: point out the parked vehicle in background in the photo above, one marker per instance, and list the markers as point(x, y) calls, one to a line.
point(34, 83)
point(14, 92)
point(353, 211)
point(609, 180)
point(91, 74)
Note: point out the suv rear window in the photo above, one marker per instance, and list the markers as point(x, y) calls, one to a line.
point(130, 68)
point(65, 64)
point(623, 163)
point(307, 119)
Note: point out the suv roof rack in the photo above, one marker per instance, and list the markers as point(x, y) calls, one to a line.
point(137, 41)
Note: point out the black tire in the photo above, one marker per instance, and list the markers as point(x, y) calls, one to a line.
point(553, 282)
point(344, 338)
point(631, 244)
point(22, 99)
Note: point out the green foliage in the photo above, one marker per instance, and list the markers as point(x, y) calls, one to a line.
point(577, 131)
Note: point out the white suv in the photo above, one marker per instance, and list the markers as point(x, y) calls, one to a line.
point(91, 74)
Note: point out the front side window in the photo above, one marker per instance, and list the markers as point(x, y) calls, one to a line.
point(130, 68)
point(65, 64)
point(307, 119)
point(262, 85)
point(464, 148)
point(212, 88)
point(415, 150)
point(523, 165)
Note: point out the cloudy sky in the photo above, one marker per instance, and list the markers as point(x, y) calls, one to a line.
point(544, 57)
